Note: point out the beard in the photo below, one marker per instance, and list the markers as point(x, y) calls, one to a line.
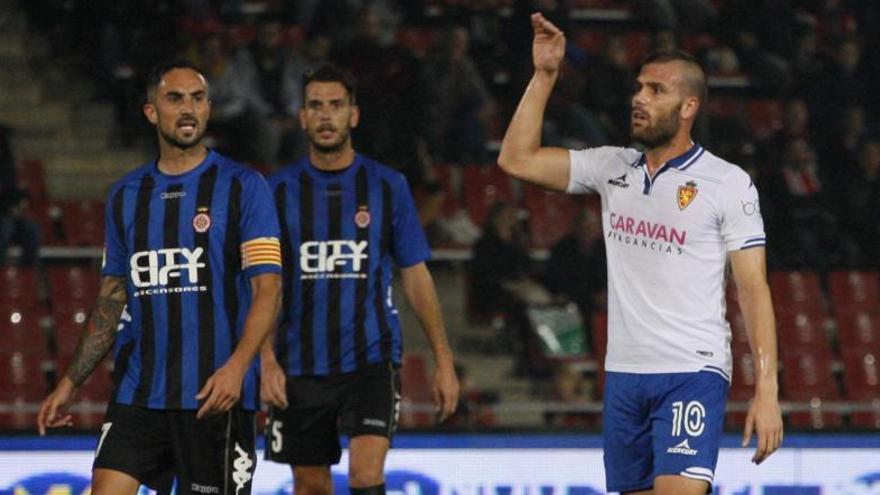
point(331, 147)
point(659, 133)
point(183, 143)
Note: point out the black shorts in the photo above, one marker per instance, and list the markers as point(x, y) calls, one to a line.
point(213, 455)
point(365, 402)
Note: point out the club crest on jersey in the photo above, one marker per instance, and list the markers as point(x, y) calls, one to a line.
point(202, 220)
point(362, 217)
point(686, 194)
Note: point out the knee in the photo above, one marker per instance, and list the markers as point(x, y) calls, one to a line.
point(312, 482)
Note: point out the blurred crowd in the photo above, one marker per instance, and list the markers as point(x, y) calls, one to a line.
point(438, 80)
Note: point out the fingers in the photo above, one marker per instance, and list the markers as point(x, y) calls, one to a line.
point(220, 398)
point(209, 384)
point(540, 24)
point(46, 414)
point(747, 433)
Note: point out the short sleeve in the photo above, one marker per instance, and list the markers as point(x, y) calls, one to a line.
point(587, 166)
point(410, 247)
point(260, 245)
point(742, 226)
point(114, 262)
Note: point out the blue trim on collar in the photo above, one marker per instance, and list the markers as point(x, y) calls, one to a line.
point(684, 159)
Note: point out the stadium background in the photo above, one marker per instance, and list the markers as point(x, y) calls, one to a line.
point(793, 99)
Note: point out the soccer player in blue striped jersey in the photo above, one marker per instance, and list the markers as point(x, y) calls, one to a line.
point(192, 277)
point(674, 215)
point(345, 221)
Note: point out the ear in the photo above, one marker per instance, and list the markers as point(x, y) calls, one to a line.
point(150, 113)
point(355, 116)
point(690, 108)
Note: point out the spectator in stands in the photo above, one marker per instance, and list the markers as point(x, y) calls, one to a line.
point(576, 268)
point(241, 130)
point(15, 226)
point(569, 388)
point(841, 84)
point(461, 106)
point(500, 262)
point(610, 82)
point(277, 73)
point(863, 205)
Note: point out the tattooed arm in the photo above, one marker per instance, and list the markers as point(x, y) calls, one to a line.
point(96, 340)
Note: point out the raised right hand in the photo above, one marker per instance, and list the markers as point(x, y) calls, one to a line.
point(53, 411)
point(548, 47)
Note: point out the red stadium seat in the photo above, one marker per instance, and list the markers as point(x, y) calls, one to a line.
point(861, 374)
point(801, 332)
point(32, 178)
point(551, 215)
point(854, 291)
point(817, 418)
point(738, 332)
point(797, 291)
point(483, 186)
point(69, 320)
point(859, 330)
point(83, 222)
point(810, 378)
point(22, 329)
point(19, 287)
point(415, 384)
point(743, 380)
point(765, 117)
point(23, 385)
point(73, 284)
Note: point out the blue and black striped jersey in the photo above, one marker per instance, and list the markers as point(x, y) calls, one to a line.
point(187, 246)
point(340, 232)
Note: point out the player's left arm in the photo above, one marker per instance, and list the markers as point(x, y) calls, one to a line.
point(418, 285)
point(765, 416)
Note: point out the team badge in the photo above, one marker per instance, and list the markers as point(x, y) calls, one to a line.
point(202, 220)
point(362, 217)
point(686, 194)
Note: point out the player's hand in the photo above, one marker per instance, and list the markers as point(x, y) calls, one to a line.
point(222, 389)
point(445, 390)
point(765, 420)
point(273, 384)
point(548, 47)
point(53, 411)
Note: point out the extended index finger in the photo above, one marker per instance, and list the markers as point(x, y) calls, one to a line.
point(539, 22)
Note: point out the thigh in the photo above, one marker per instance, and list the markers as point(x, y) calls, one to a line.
point(137, 442)
point(306, 433)
point(215, 454)
point(626, 433)
point(371, 405)
point(687, 423)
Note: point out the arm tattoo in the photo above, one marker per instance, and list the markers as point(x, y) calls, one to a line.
point(100, 332)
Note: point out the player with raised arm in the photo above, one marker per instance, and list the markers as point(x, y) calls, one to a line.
point(192, 252)
point(673, 216)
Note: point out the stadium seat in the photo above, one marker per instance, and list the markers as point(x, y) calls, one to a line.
point(19, 287)
point(859, 330)
point(801, 332)
point(22, 329)
point(809, 378)
point(765, 117)
point(483, 186)
point(861, 379)
point(797, 291)
point(32, 178)
point(550, 215)
point(73, 284)
point(416, 392)
point(23, 385)
point(743, 380)
point(738, 333)
point(68, 320)
point(83, 222)
point(854, 291)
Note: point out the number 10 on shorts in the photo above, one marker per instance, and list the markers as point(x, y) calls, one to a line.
point(692, 417)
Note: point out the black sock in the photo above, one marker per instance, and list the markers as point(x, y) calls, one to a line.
point(369, 490)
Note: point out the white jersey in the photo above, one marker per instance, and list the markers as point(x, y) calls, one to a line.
point(667, 240)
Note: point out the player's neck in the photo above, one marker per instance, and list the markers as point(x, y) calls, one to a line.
point(658, 156)
point(176, 161)
point(333, 160)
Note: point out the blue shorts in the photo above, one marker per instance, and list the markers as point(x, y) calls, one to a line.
point(661, 423)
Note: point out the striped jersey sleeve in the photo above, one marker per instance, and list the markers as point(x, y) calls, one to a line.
point(260, 246)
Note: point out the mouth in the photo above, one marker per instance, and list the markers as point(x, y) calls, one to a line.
point(639, 116)
point(326, 131)
point(187, 125)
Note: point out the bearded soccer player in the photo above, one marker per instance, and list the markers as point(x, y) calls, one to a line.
point(674, 214)
point(345, 221)
point(192, 265)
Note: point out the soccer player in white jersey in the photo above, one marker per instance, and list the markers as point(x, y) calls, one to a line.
point(672, 216)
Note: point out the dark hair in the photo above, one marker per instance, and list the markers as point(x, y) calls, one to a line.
point(697, 85)
point(329, 73)
point(158, 72)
